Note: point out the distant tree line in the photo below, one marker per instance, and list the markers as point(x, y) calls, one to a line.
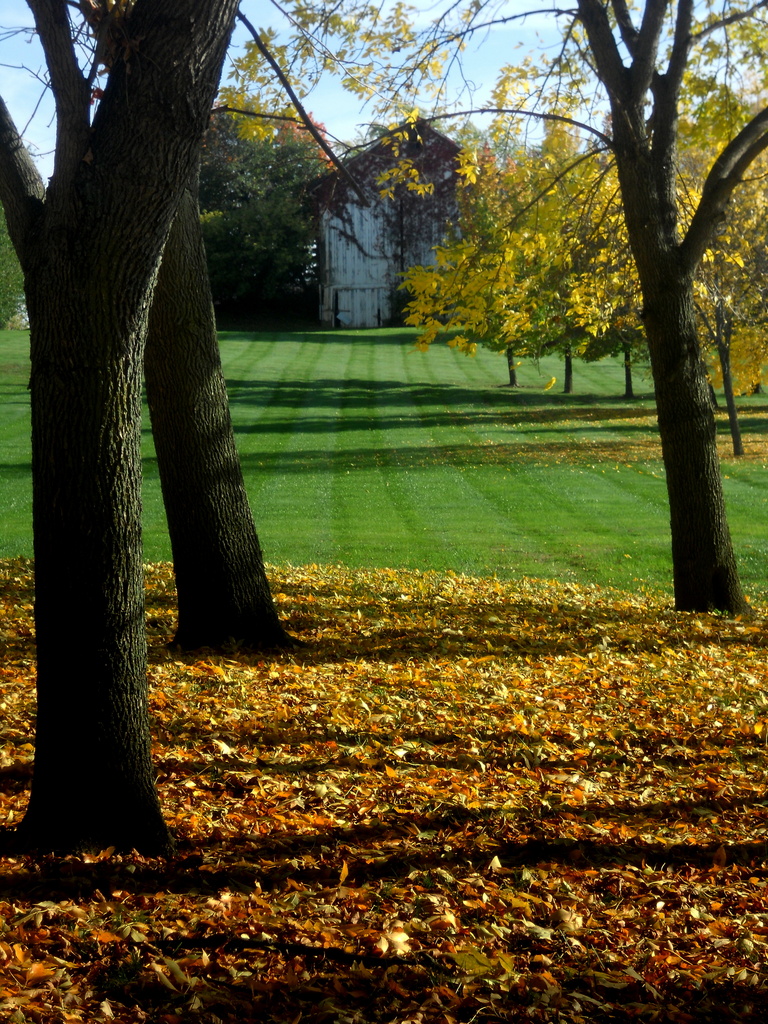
point(257, 218)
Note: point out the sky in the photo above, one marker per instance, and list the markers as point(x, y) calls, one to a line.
point(22, 73)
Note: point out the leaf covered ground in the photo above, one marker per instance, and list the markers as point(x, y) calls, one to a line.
point(464, 800)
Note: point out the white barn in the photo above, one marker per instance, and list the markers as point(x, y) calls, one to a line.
point(364, 249)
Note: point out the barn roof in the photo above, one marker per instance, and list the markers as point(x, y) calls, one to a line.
point(429, 150)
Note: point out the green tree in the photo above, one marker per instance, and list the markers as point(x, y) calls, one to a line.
point(90, 245)
point(257, 217)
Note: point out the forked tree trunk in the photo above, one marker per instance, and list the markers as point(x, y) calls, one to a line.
point(90, 255)
point(223, 592)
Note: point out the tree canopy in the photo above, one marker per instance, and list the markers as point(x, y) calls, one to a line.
point(258, 222)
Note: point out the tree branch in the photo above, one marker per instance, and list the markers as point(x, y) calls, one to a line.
point(21, 188)
point(647, 48)
point(535, 114)
point(70, 89)
point(626, 28)
point(610, 67)
point(304, 116)
point(731, 19)
point(725, 174)
point(681, 47)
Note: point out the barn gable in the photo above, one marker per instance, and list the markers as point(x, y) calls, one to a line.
point(363, 249)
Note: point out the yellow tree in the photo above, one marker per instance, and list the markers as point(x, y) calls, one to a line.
point(628, 69)
point(731, 291)
point(503, 280)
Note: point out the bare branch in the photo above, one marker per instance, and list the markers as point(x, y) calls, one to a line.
point(304, 116)
point(536, 115)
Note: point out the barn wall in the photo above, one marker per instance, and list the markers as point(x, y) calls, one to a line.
point(364, 249)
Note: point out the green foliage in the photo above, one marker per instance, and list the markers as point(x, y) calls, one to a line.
point(256, 213)
point(11, 279)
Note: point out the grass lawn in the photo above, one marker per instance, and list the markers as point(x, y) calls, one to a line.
point(361, 451)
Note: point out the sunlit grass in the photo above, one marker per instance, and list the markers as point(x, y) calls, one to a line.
point(359, 450)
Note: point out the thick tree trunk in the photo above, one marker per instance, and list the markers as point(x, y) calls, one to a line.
point(703, 561)
point(511, 368)
point(93, 783)
point(628, 389)
point(90, 255)
point(223, 592)
point(568, 384)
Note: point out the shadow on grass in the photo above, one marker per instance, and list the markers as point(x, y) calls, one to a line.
point(384, 406)
point(524, 454)
point(319, 334)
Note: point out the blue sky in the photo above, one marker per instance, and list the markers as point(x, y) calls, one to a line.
point(22, 72)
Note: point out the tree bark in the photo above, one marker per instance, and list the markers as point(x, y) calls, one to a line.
point(628, 389)
point(511, 368)
point(223, 592)
point(90, 254)
point(704, 568)
point(568, 383)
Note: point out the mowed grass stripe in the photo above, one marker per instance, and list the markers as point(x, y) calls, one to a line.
point(357, 449)
point(518, 504)
point(299, 423)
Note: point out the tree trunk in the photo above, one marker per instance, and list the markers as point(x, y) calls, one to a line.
point(703, 561)
point(223, 592)
point(645, 151)
point(628, 390)
point(93, 782)
point(90, 255)
point(512, 369)
point(568, 384)
point(724, 354)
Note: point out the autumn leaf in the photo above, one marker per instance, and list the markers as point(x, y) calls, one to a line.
point(458, 788)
